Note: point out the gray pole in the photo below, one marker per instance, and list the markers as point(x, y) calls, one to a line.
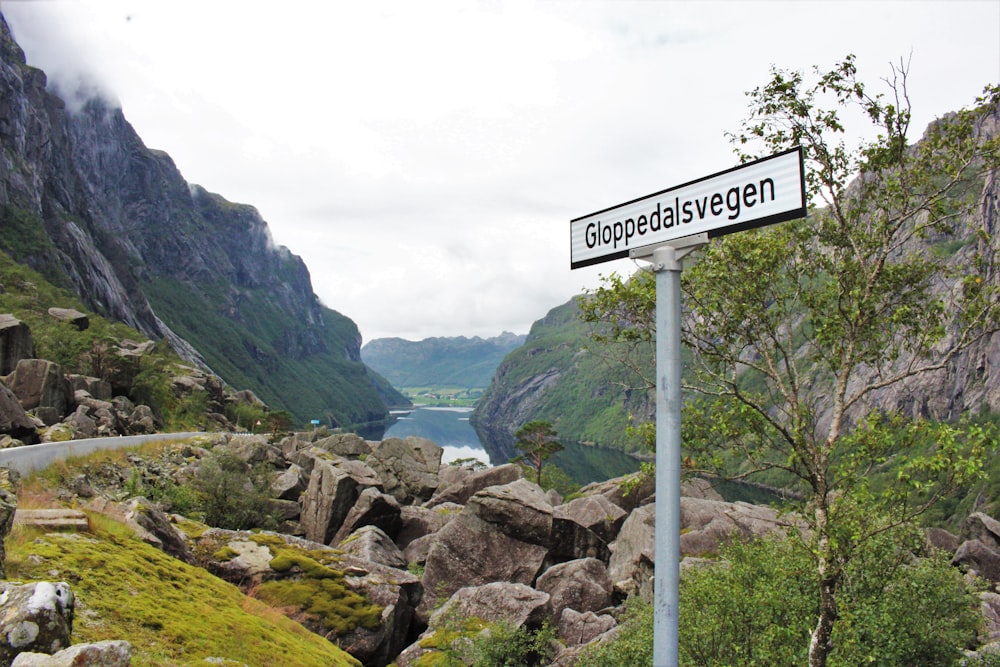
point(666, 582)
point(666, 262)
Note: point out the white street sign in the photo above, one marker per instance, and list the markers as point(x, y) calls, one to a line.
point(763, 192)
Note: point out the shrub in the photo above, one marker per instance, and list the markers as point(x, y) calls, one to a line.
point(233, 494)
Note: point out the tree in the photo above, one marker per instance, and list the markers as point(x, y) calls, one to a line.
point(793, 328)
point(537, 439)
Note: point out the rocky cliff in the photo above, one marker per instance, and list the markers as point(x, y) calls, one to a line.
point(86, 203)
point(554, 377)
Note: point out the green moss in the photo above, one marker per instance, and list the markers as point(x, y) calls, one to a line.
point(128, 589)
point(319, 591)
point(225, 554)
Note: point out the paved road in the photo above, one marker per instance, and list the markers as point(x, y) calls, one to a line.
point(32, 457)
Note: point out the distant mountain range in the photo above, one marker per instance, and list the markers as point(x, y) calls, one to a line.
point(439, 362)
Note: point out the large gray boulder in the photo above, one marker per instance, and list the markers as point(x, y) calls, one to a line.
point(471, 552)
point(8, 508)
point(503, 534)
point(346, 445)
point(513, 604)
point(331, 494)
point(15, 342)
point(370, 543)
point(519, 509)
point(107, 653)
point(582, 585)
point(461, 491)
point(35, 618)
point(14, 421)
point(707, 524)
point(417, 521)
point(154, 528)
point(631, 564)
point(372, 508)
point(408, 468)
point(39, 383)
point(71, 316)
point(980, 557)
point(577, 628)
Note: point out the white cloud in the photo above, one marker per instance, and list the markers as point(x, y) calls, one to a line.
point(425, 158)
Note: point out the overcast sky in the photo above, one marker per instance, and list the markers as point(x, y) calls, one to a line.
point(425, 158)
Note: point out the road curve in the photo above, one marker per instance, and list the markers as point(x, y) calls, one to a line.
point(33, 457)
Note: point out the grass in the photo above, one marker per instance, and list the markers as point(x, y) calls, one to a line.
point(171, 612)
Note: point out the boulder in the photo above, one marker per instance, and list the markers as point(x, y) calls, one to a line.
point(497, 602)
point(15, 343)
point(330, 495)
point(8, 508)
point(989, 605)
point(576, 628)
point(35, 618)
point(582, 585)
point(520, 509)
point(632, 559)
point(72, 316)
point(107, 653)
point(371, 544)
point(289, 484)
point(471, 552)
point(408, 468)
point(95, 387)
point(142, 420)
point(939, 539)
point(14, 421)
point(981, 557)
point(372, 508)
point(583, 527)
point(154, 527)
point(347, 445)
point(461, 492)
point(40, 383)
point(82, 424)
point(628, 492)
point(247, 558)
point(251, 449)
point(707, 525)
point(417, 521)
point(979, 526)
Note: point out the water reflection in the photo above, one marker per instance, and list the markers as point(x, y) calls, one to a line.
point(450, 428)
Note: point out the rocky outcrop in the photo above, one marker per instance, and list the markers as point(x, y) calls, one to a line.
point(14, 421)
point(38, 383)
point(107, 653)
point(118, 223)
point(34, 618)
point(15, 342)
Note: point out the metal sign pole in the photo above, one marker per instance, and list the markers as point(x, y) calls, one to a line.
point(666, 262)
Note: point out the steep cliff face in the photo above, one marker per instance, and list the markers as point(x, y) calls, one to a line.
point(83, 201)
point(554, 377)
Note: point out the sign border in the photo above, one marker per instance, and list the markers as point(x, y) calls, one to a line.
point(712, 233)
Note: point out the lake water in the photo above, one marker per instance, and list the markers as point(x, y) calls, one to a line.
point(450, 428)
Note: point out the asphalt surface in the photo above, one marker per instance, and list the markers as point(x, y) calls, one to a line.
point(33, 457)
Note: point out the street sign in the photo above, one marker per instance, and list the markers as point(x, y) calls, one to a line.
point(763, 192)
point(662, 228)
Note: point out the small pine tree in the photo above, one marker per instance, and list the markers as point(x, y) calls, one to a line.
point(537, 439)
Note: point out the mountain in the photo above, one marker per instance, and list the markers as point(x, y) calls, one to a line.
point(439, 362)
point(87, 204)
point(554, 377)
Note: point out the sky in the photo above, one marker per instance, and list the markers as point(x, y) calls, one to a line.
point(425, 158)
